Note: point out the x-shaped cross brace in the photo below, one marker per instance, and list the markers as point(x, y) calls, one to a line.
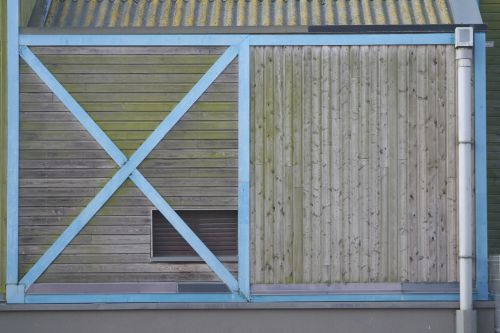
point(128, 168)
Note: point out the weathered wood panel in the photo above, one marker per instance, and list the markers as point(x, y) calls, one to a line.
point(353, 161)
point(128, 92)
point(369, 135)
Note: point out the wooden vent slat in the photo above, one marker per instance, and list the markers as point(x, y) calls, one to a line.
point(216, 228)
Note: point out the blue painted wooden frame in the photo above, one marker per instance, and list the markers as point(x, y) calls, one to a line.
point(452, 297)
point(131, 40)
point(244, 168)
point(254, 40)
point(243, 42)
point(480, 132)
point(129, 168)
point(352, 39)
point(13, 289)
point(133, 298)
point(234, 298)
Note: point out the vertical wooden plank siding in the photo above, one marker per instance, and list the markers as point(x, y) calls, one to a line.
point(402, 161)
point(258, 140)
point(451, 168)
point(288, 166)
point(372, 148)
point(297, 124)
point(128, 92)
point(364, 174)
point(326, 144)
point(374, 168)
point(392, 166)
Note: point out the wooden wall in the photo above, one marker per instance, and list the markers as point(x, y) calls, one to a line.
point(491, 15)
point(353, 161)
point(127, 91)
point(354, 164)
point(25, 11)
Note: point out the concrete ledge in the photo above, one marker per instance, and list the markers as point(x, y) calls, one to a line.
point(240, 306)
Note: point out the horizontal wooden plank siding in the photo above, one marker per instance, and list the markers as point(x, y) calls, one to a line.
point(354, 164)
point(128, 92)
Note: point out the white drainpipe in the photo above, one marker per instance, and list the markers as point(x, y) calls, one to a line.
point(466, 316)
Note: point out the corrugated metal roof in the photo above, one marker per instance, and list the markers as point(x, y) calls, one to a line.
point(231, 13)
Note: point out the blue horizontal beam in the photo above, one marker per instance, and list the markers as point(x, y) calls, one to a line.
point(353, 39)
point(130, 40)
point(232, 298)
point(254, 40)
point(357, 298)
point(216, 298)
point(132, 298)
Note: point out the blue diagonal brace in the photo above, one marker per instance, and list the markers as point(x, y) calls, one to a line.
point(184, 230)
point(129, 169)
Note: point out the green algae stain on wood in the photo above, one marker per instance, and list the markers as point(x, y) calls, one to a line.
point(129, 94)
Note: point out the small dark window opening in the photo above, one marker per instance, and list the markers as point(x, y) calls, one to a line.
point(217, 229)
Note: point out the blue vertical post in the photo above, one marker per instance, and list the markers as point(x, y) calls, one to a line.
point(481, 167)
point(14, 292)
point(244, 168)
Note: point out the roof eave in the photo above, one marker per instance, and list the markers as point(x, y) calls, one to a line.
point(315, 29)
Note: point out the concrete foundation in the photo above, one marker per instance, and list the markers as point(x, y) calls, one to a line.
point(411, 317)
